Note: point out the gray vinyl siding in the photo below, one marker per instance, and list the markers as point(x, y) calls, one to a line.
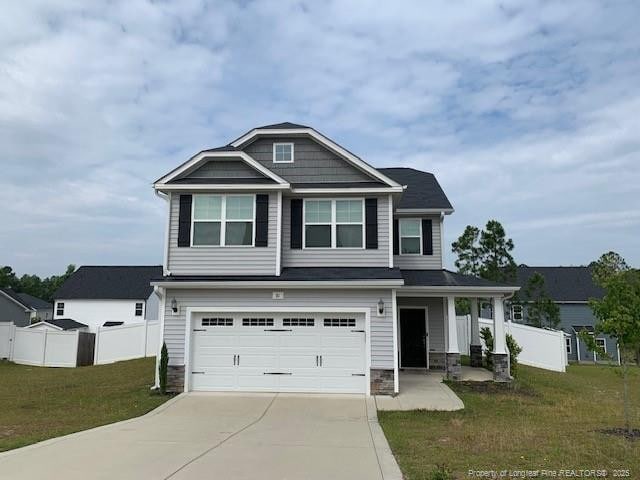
point(222, 260)
point(225, 168)
point(424, 262)
point(337, 257)
point(435, 315)
point(312, 162)
point(381, 341)
point(12, 312)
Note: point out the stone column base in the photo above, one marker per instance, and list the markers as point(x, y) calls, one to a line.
point(175, 378)
point(501, 367)
point(382, 382)
point(453, 368)
point(476, 355)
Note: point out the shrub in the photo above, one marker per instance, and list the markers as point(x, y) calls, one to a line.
point(487, 336)
point(162, 369)
point(514, 351)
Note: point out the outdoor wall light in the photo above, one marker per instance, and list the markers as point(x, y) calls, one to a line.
point(380, 307)
point(174, 306)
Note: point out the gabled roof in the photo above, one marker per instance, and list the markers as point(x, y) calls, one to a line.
point(423, 190)
point(563, 284)
point(13, 296)
point(279, 126)
point(35, 302)
point(109, 283)
point(60, 324)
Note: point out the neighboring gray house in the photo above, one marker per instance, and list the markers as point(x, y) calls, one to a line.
point(570, 288)
point(22, 309)
point(292, 265)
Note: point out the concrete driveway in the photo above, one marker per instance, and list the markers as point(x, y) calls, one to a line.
point(227, 436)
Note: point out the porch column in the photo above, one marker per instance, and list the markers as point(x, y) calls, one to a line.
point(499, 354)
point(452, 356)
point(475, 347)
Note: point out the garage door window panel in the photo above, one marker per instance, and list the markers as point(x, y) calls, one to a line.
point(257, 322)
point(340, 322)
point(298, 322)
point(217, 322)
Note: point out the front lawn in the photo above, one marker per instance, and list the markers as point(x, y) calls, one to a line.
point(551, 422)
point(37, 403)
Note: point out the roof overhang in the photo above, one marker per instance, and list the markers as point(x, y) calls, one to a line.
point(193, 162)
point(318, 137)
point(458, 291)
point(254, 284)
point(424, 211)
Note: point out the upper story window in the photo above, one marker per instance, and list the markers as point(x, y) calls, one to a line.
point(283, 153)
point(139, 309)
point(223, 220)
point(60, 308)
point(334, 223)
point(410, 236)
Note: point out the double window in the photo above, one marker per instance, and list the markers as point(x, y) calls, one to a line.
point(334, 223)
point(410, 236)
point(516, 313)
point(223, 220)
point(60, 308)
point(567, 342)
point(139, 307)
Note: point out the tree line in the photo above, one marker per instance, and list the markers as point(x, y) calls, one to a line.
point(43, 288)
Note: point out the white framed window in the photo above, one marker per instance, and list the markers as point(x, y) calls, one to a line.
point(139, 307)
point(223, 220)
point(60, 308)
point(602, 343)
point(337, 223)
point(568, 342)
point(516, 313)
point(283, 153)
point(410, 236)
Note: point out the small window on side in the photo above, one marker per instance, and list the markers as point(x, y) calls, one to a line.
point(139, 309)
point(567, 341)
point(601, 343)
point(60, 308)
point(516, 313)
point(283, 153)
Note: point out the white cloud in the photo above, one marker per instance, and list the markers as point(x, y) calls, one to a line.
point(526, 113)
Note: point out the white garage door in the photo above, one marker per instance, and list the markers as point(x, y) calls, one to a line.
point(299, 352)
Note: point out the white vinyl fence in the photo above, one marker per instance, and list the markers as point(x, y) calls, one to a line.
point(126, 342)
point(50, 348)
point(541, 347)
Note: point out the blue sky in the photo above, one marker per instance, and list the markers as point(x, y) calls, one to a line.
point(527, 112)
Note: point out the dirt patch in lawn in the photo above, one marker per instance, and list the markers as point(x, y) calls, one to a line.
point(633, 434)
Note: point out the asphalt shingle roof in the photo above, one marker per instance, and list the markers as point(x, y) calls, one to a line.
point(423, 189)
point(568, 284)
point(445, 278)
point(9, 292)
point(109, 283)
point(282, 125)
point(34, 302)
point(65, 323)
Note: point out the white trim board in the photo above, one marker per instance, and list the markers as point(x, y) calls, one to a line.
point(361, 284)
point(204, 156)
point(189, 326)
point(321, 139)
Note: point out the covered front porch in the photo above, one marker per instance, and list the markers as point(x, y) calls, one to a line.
point(426, 325)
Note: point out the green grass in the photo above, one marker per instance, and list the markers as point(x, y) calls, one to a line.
point(550, 421)
point(37, 403)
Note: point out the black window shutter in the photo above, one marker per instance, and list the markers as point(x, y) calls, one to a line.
point(371, 222)
point(184, 221)
point(262, 220)
point(427, 237)
point(296, 223)
point(396, 238)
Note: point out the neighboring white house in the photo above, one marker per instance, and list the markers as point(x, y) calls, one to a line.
point(100, 296)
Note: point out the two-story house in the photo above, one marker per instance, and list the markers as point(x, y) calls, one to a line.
point(292, 265)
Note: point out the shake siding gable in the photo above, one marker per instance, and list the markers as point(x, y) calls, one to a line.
point(222, 260)
point(312, 162)
point(380, 343)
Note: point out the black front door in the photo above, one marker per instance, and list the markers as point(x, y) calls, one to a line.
point(413, 338)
